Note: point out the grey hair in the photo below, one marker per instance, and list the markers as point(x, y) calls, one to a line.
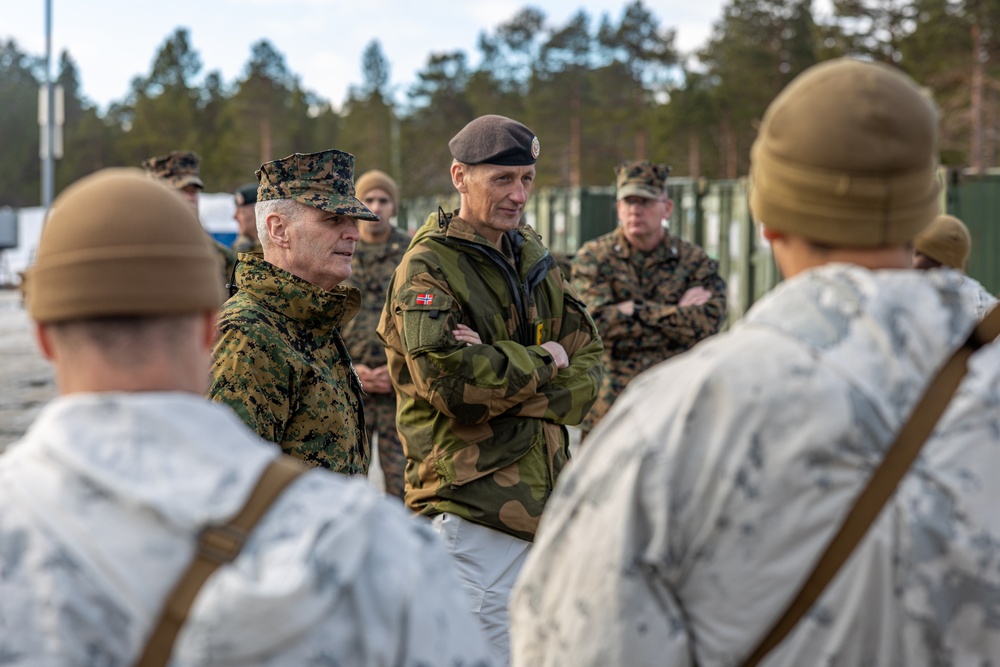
point(288, 208)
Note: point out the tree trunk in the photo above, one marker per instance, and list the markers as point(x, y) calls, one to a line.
point(976, 100)
point(724, 132)
point(730, 156)
point(265, 140)
point(990, 130)
point(694, 154)
point(640, 144)
point(574, 138)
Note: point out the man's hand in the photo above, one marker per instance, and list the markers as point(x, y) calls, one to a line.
point(380, 382)
point(374, 380)
point(695, 296)
point(464, 334)
point(558, 353)
point(626, 308)
point(364, 374)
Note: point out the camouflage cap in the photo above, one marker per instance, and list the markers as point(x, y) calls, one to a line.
point(641, 178)
point(178, 168)
point(246, 194)
point(323, 180)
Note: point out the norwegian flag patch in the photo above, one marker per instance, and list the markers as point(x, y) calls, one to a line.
point(425, 299)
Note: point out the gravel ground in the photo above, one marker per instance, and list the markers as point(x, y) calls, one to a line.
point(26, 380)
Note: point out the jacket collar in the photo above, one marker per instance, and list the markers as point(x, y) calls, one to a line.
point(667, 249)
point(296, 299)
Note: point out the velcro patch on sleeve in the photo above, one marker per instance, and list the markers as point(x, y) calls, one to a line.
point(427, 321)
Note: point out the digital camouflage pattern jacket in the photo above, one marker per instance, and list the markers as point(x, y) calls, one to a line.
point(281, 364)
point(372, 268)
point(608, 270)
point(484, 426)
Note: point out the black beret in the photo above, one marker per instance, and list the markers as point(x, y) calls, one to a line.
point(497, 140)
point(246, 194)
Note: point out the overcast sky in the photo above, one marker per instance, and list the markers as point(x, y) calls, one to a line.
point(113, 41)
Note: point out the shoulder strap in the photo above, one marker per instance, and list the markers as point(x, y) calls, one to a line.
point(883, 483)
point(217, 545)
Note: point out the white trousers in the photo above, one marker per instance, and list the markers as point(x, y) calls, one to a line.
point(488, 562)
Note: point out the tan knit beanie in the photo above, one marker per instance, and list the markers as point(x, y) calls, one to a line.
point(117, 243)
point(946, 240)
point(377, 180)
point(847, 155)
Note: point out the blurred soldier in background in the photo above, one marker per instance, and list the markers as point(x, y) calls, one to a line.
point(105, 502)
point(280, 361)
point(492, 355)
point(182, 170)
point(652, 295)
point(247, 240)
point(376, 256)
point(945, 242)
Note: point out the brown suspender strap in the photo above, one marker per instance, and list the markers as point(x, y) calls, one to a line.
point(882, 485)
point(217, 545)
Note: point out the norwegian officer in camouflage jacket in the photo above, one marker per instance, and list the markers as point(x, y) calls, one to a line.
point(376, 256)
point(652, 294)
point(492, 355)
point(182, 170)
point(280, 361)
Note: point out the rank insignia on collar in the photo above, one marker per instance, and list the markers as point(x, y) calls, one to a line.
point(425, 299)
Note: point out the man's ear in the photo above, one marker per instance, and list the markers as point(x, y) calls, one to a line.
point(210, 323)
point(277, 229)
point(44, 341)
point(770, 233)
point(459, 175)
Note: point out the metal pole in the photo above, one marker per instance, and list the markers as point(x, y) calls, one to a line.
point(48, 164)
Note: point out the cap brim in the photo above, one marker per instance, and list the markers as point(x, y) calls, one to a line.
point(184, 181)
point(635, 190)
point(349, 206)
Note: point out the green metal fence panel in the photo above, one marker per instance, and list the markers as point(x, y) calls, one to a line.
point(975, 200)
point(598, 214)
point(413, 212)
point(686, 219)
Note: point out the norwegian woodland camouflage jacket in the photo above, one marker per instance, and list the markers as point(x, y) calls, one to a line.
point(608, 270)
point(484, 425)
point(281, 364)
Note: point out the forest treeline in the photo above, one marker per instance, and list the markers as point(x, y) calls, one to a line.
point(596, 90)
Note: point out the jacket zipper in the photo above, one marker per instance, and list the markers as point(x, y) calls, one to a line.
point(520, 291)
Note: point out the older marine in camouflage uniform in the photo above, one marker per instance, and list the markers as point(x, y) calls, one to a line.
point(182, 170)
point(280, 361)
point(376, 256)
point(651, 294)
